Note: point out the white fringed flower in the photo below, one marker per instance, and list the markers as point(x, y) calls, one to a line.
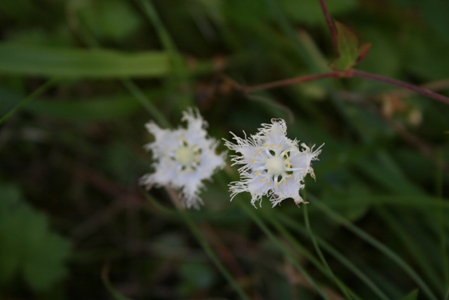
point(273, 164)
point(183, 158)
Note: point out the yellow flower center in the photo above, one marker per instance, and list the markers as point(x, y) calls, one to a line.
point(275, 165)
point(185, 155)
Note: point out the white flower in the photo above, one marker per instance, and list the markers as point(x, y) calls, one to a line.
point(272, 164)
point(183, 158)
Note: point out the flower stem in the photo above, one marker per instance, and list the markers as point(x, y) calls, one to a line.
point(331, 26)
point(208, 249)
point(273, 218)
point(206, 246)
point(285, 250)
point(135, 91)
point(379, 246)
point(293, 224)
point(321, 256)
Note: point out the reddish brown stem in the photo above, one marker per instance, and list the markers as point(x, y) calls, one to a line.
point(348, 74)
point(290, 81)
point(414, 88)
point(331, 26)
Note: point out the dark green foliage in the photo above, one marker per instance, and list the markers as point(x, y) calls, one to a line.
point(28, 247)
point(72, 153)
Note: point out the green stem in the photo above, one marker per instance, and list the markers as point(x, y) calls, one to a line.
point(416, 251)
point(282, 230)
point(181, 74)
point(207, 248)
point(293, 224)
point(259, 222)
point(151, 108)
point(379, 246)
point(162, 208)
point(203, 243)
point(39, 91)
point(441, 226)
point(320, 254)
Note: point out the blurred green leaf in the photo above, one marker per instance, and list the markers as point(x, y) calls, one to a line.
point(67, 62)
point(104, 18)
point(8, 101)
point(309, 11)
point(352, 212)
point(95, 110)
point(248, 12)
point(349, 51)
point(422, 54)
point(194, 276)
point(383, 57)
point(10, 196)
point(28, 246)
point(411, 296)
point(385, 174)
point(435, 13)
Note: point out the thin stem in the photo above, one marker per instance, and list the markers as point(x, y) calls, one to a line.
point(273, 218)
point(331, 26)
point(296, 226)
point(408, 239)
point(204, 244)
point(321, 256)
point(417, 89)
point(433, 86)
point(140, 96)
point(348, 74)
point(379, 246)
point(290, 81)
point(442, 232)
point(284, 249)
point(162, 208)
point(30, 97)
point(181, 76)
point(208, 249)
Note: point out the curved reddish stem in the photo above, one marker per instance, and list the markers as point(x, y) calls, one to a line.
point(348, 74)
point(416, 89)
point(331, 26)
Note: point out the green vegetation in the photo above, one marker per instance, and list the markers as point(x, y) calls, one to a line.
point(80, 78)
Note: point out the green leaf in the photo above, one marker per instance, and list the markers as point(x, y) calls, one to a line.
point(384, 56)
point(71, 62)
point(435, 14)
point(411, 296)
point(350, 53)
point(420, 56)
point(10, 197)
point(101, 17)
point(246, 13)
point(309, 11)
point(28, 246)
point(101, 109)
point(96, 109)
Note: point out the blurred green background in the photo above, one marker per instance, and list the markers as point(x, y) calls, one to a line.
point(80, 78)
